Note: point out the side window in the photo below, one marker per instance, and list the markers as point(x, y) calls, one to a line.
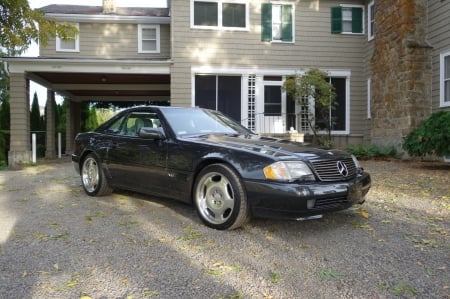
point(71, 44)
point(277, 22)
point(347, 19)
point(149, 38)
point(130, 124)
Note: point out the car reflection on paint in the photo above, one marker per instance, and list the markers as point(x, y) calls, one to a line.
point(228, 173)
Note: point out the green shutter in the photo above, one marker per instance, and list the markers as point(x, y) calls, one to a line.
point(286, 20)
point(357, 20)
point(266, 22)
point(336, 19)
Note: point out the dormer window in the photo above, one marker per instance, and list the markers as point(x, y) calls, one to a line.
point(70, 44)
point(149, 38)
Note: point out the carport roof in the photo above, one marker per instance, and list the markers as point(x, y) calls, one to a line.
point(98, 80)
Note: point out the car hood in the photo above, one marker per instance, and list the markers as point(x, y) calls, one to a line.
point(280, 148)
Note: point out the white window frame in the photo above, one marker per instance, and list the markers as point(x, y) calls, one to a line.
point(370, 20)
point(362, 21)
point(443, 102)
point(59, 40)
point(369, 98)
point(280, 4)
point(140, 38)
point(219, 15)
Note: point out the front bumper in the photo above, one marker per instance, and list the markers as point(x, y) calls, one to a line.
point(295, 201)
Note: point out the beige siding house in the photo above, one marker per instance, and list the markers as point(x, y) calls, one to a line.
point(234, 55)
point(439, 38)
point(205, 54)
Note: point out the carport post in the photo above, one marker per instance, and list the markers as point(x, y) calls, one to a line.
point(59, 145)
point(33, 148)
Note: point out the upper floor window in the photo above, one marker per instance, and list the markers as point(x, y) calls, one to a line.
point(219, 14)
point(445, 79)
point(148, 36)
point(347, 19)
point(70, 44)
point(277, 22)
point(371, 20)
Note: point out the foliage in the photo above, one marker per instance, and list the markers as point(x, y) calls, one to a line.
point(432, 137)
point(20, 26)
point(37, 122)
point(88, 117)
point(363, 151)
point(314, 85)
point(4, 114)
point(3, 149)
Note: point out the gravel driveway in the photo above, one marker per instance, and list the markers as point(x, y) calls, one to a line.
point(56, 242)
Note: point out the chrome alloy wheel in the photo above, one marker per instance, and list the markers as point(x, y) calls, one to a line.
point(90, 174)
point(215, 197)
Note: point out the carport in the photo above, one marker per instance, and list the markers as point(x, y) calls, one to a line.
point(77, 80)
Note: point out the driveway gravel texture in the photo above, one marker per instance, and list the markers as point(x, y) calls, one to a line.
point(57, 242)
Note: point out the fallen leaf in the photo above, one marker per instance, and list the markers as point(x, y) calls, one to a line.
point(364, 213)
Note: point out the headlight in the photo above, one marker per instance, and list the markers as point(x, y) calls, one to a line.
point(288, 171)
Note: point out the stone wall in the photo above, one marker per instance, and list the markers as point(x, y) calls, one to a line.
point(401, 70)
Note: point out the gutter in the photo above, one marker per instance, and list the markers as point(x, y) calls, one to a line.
point(78, 18)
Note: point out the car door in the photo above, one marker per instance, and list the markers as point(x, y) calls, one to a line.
point(135, 162)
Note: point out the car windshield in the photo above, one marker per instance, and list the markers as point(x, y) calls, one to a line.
point(196, 121)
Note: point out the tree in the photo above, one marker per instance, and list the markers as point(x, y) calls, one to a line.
point(88, 117)
point(5, 115)
point(20, 26)
point(314, 85)
point(36, 120)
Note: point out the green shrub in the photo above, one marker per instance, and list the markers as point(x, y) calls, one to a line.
point(432, 137)
point(3, 149)
point(363, 151)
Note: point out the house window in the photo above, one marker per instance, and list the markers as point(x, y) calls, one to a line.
point(277, 22)
point(70, 44)
point(148, 36)
point(445, 79)
point(338, 114)
point(347, 19)
point(272, 100)
point(222, 93)
point(371, 20)
point(220, 14)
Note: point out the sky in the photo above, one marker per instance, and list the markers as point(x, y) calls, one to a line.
point(34, 49)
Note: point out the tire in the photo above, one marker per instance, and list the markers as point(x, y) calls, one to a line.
point(93, 177)
point(220, 198)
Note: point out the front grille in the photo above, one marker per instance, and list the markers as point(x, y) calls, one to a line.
point(330, 203)
point(328, 170)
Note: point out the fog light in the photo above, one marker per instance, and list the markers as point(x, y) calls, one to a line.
point(311, 203)
point(302, 192)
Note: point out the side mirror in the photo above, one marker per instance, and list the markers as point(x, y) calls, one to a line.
point(151, 133)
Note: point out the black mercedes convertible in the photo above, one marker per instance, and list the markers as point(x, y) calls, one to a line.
point(226, 171)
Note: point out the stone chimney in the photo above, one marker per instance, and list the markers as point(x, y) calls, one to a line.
point(109, 6)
